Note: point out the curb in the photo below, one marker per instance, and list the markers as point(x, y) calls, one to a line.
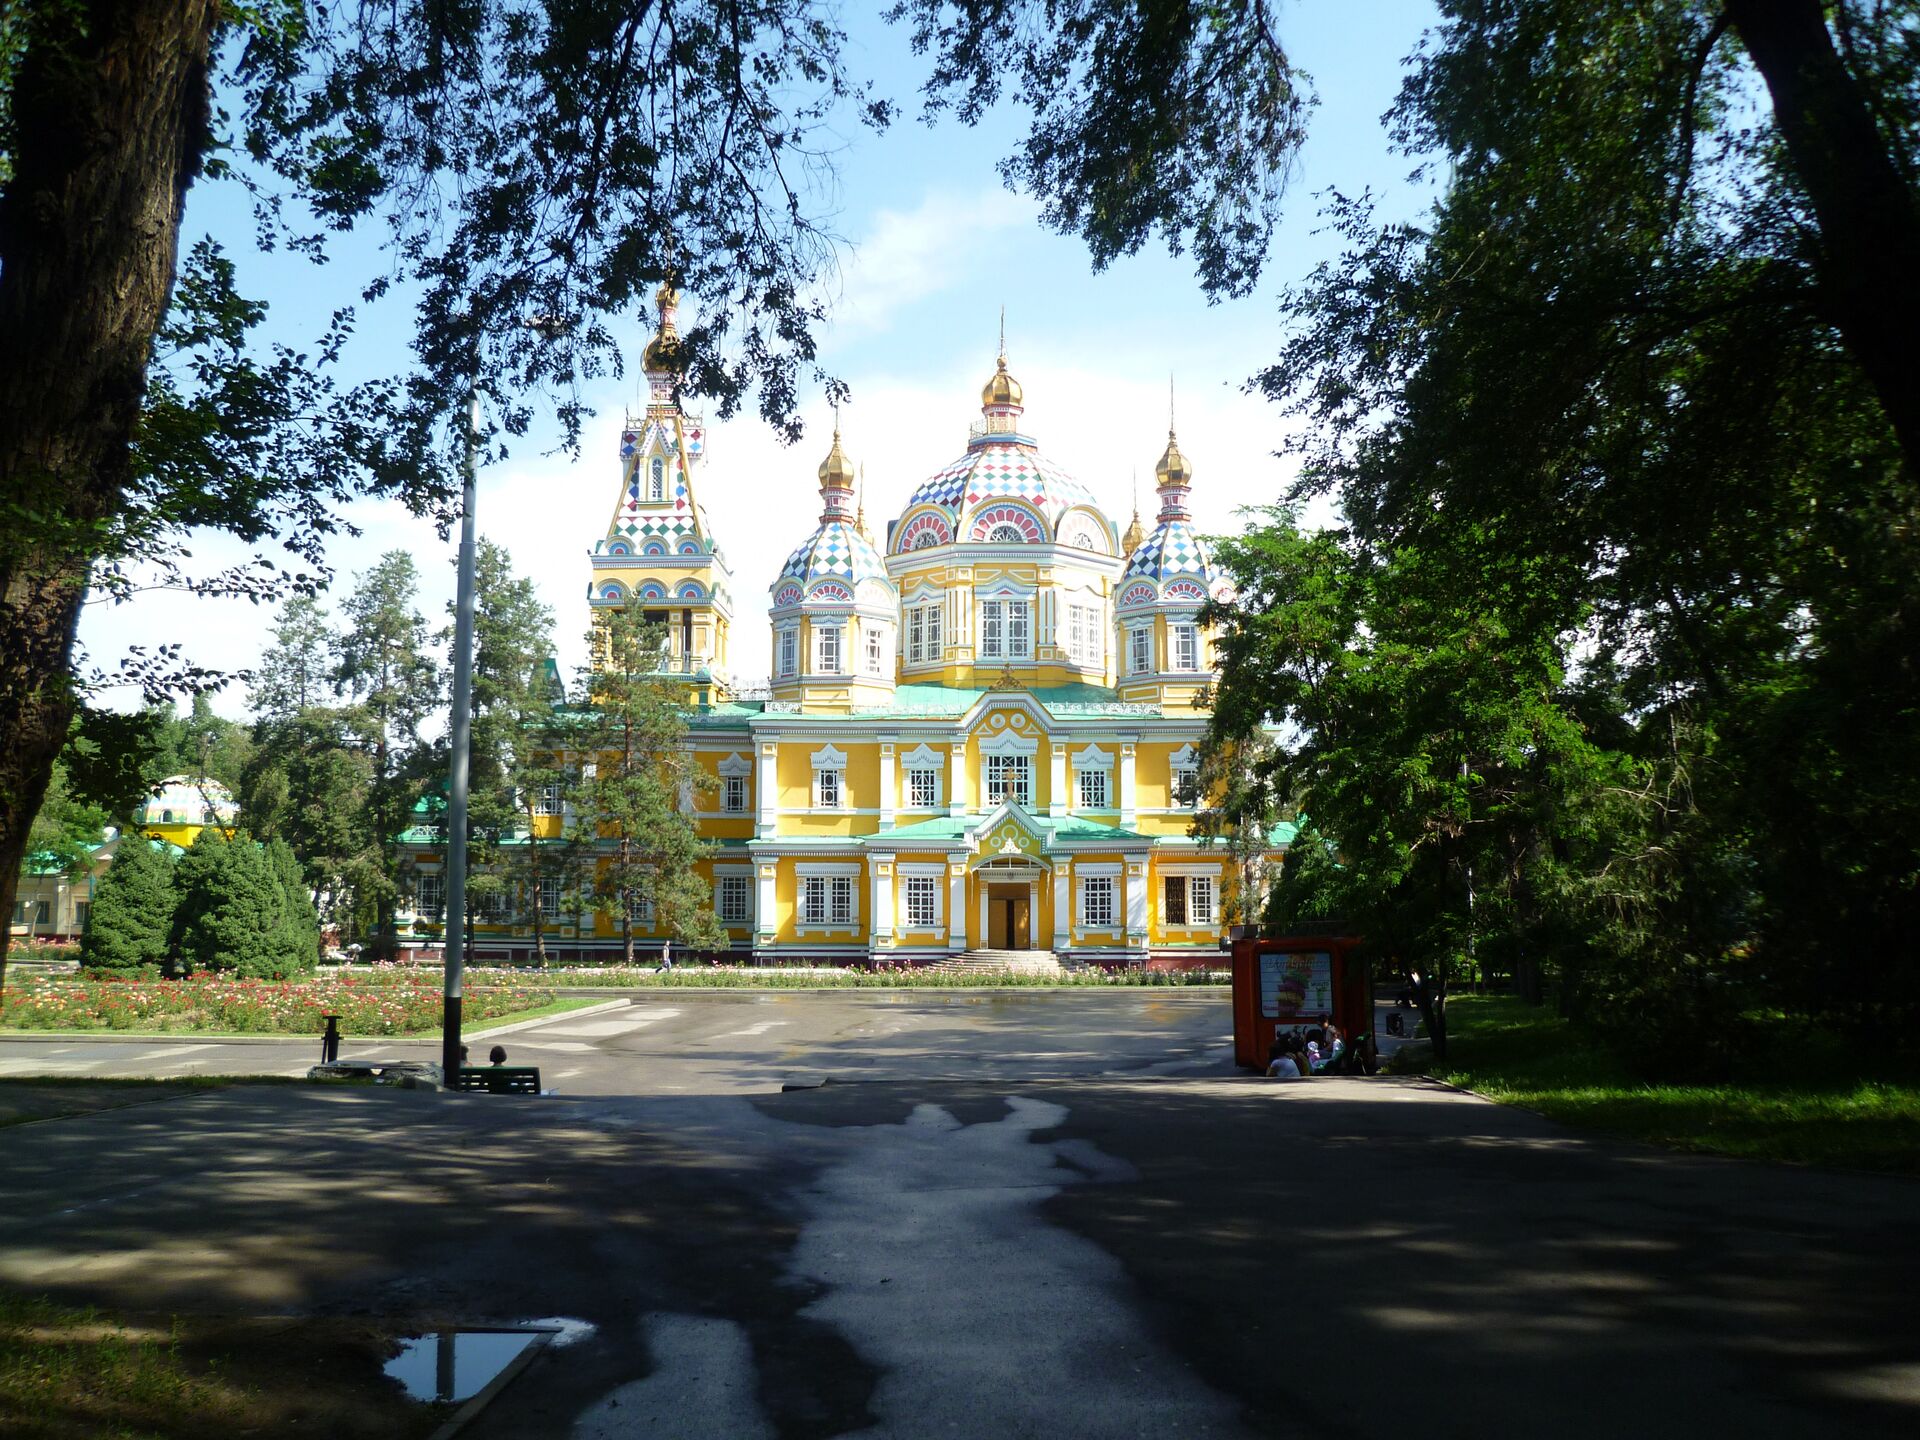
point(202, 1037)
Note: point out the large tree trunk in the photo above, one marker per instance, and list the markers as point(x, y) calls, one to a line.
point(110, 107)
point(1869, 219)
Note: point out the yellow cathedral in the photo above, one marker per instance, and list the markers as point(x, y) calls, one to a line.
point(980, 736)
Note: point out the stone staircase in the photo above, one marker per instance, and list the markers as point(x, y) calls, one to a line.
point(992, 962)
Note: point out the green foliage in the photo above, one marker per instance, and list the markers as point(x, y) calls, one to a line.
point(1612, 665)
point(1166, 116)
point(235, 913)
point(635, 807)
point(307, 784)
point(131, 922)
point(1826, 1105)
point(386, 670)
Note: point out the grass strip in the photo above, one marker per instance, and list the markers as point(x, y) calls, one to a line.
point(76, 1374)
point(1518, 1055)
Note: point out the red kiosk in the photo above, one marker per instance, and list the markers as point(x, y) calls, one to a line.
point(1291, 983)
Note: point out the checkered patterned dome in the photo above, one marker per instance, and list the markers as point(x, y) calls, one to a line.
point(998, 468)
point(835, 551)
point(1172, 548)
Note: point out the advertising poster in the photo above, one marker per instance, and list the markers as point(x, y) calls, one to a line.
point(1296, 984)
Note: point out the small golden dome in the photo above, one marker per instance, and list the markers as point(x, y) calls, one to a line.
point(1172, 469)
point(1130, 541)
point(836, 470)
point(1002, 389)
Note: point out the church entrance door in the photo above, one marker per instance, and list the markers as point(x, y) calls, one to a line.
point(1009, 918)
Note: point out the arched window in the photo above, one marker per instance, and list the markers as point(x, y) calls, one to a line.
point(657, 479)
point(926, 539)
point(166, 817)
point(1006, 535)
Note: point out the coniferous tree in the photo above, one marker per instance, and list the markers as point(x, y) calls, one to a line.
point(296, 670)
point(233, 911)
point(634, 788)
point(131, 923)
point(296, 941)
point(510, 763)
point(308, 783)
point(384, 668)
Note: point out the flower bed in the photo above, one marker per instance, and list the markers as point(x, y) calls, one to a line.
point(696, 976)
point(390, 1006)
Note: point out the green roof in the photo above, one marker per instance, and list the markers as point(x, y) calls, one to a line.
point(949, 828)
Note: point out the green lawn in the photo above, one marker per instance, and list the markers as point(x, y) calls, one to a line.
point(1517, 1055)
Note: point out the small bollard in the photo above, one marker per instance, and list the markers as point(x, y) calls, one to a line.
point(330, 1042)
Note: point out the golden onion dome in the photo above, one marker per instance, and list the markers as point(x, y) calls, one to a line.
point(1002, 389)
point(1130, 541)
point(836, 470)
point(663, 351)
point(1173, 468)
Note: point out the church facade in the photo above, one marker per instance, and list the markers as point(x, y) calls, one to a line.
point(981, 730)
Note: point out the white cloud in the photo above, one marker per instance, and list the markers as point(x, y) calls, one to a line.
point(910, 255)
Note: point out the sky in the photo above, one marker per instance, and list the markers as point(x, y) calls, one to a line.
point(936, 246)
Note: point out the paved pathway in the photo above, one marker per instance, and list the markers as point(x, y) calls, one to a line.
point(1058, 1215)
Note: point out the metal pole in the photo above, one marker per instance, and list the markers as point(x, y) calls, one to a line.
point(455, 933)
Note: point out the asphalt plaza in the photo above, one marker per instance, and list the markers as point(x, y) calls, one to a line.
point(1013, 1212)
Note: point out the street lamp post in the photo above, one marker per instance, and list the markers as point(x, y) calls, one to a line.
point(455, 934)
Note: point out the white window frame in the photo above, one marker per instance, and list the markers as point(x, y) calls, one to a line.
point(546, 800)
point(1009, 775)
point(657, 479)
point(829, 789)
point(926, 781)
point(874, 650)
point(1006, 628)
point(1101, 779)
point(1197, 888)
point(929, 882)
point(1140, 649)
point(1183, 647)
point(923, 633)
point(829, 650)
point(547, 898)
point(828, 896)
point(1203, 901)
point(1105, 886)
point(733, 897)
point(1183, 771)
point(789, 650)
point(923, 759)
point(829, 778)
point(733, 794)
point(430, 895)
point(640, 909)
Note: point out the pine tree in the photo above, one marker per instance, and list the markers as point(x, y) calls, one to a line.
point(231, 909)
point(131, 922)
point(635, 787)
point(297, 934)
point(383, 666)
point(511, 766)
point(295, 669)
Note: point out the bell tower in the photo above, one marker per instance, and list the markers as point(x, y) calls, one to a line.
point(659, 554)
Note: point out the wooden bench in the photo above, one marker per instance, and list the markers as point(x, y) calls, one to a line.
point(499, 1079)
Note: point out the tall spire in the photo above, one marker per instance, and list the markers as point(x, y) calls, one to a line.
point(836, 478)
point(860, 504)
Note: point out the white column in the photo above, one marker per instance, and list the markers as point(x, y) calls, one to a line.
point(881, 868)
point(986, 930)
point(1057, 783)
point(957, 778)
point(889, 791)
point(957, 904)
point(1062, 907)
point(1137, 902)
point(1129, 801)
point(767, 783)
point(764, 914)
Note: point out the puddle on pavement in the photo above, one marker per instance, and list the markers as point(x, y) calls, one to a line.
point(456, 1364)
